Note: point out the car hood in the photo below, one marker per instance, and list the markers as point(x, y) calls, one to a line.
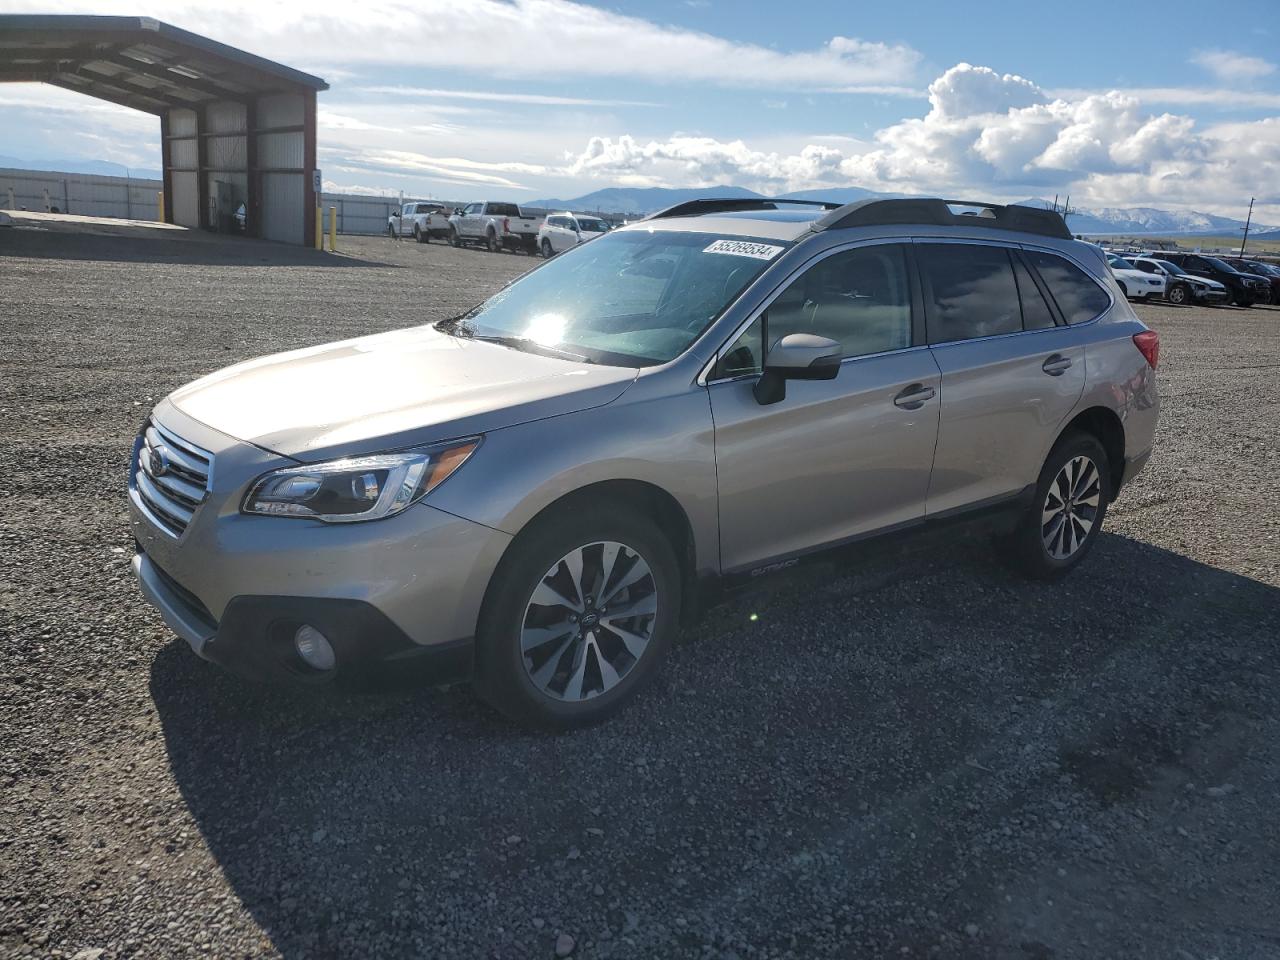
point(1203, 281)
point(391, 390)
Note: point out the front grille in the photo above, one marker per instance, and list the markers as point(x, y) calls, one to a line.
point(172, 478)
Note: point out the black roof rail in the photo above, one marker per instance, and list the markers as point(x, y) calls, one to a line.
point(931, 210)
point(710, 205)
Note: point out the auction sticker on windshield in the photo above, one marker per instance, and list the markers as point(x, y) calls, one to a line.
point(745, 248)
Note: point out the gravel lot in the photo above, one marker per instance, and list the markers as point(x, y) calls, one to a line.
point(915, 756)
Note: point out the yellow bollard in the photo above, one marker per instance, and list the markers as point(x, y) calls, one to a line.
point(319, 228)
point(333, 229)
point(160, 205)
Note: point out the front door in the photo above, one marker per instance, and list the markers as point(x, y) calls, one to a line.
point(837, 458)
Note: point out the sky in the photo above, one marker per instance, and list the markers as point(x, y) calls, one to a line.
point(1168, 105)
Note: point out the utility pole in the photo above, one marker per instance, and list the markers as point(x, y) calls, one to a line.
point(1248, 220)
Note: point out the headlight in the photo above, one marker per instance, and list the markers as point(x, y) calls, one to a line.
point(360, 488)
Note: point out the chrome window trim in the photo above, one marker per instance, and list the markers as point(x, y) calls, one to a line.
point(703, 378)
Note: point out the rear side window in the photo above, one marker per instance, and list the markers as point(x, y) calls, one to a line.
point(1078, 296)
point(502, 210)
point(970, 291)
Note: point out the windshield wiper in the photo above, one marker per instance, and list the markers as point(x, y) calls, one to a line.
point(525, 344)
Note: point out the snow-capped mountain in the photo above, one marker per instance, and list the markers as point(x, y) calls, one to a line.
point(1149, 220)
point(1090, 221)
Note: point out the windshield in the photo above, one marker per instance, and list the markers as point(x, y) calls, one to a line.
point(631, 298)
point(589, 225)
point(1172, 268)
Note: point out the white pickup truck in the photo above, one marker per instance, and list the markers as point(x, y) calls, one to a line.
point(499, 226)
point(420, 220)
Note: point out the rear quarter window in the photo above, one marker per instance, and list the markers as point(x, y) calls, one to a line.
point(1079, 297)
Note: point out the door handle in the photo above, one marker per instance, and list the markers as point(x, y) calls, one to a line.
point(1056, 365)
point(914, 396)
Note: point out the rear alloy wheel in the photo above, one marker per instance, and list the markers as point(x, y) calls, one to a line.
point(580, 614)
point(1178, 294)
point(547, 252)
point(492, 242)
point(1066, 514)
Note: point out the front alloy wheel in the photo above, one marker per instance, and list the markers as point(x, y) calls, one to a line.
point(578, 616)
point(589, 621)
point(1178, 295)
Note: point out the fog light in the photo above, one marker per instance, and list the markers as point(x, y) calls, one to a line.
point(313, 648)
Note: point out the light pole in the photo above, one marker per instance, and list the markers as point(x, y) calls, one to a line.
point(1247, 220)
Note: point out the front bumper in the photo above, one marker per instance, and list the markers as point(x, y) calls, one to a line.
point(236, 587)
point(255, 637)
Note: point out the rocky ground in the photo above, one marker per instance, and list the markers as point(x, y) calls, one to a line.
point(919, 755)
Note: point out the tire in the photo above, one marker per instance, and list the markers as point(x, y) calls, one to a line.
point(548, 688)
point(547, 252)
point(392, 232)
point(454, 239)
point(1177, 294)
point(491, 241)
point(1036, 547)
point(1124, 290)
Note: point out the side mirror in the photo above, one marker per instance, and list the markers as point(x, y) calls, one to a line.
point(797, 356)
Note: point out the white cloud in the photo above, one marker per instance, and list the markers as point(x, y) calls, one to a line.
point(990, 135)
point(1229, 66)
point(536, 99)
point(1220, 98)
point(511, 38)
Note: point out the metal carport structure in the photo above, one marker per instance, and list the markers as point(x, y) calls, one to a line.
point(235, 128)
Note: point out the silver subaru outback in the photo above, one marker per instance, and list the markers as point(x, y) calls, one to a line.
point(535, 493)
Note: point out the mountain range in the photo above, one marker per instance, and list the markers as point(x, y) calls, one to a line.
point(1093, 221)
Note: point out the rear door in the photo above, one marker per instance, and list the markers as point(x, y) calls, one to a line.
point(835, 458)
point(1012, 371)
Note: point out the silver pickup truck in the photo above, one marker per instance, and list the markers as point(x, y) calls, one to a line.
point(499, 226)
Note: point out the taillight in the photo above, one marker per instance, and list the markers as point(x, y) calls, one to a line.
point(506, 224)
point(1148, 343)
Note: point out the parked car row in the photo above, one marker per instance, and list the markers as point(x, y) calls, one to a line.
point(495, 225)
point(1195, 278)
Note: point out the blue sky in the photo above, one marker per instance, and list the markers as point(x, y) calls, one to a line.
point(1118, 105)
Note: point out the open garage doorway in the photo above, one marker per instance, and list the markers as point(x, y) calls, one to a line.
point(238, 132)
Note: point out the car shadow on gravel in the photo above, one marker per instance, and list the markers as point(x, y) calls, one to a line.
point(835, 764)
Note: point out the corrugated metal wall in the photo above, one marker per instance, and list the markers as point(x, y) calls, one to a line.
point(184, 160)
point(282, 158)
point(360, 214)
point(283, 206)
point(81, 193)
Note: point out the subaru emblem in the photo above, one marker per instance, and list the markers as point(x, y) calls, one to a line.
point(157, 461)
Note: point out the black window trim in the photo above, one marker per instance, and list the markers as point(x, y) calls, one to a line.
point(707, 377)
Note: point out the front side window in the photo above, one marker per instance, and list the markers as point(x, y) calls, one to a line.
point(1078, 296)
point(970, 291)
point(860, 298)
point(630, 298)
